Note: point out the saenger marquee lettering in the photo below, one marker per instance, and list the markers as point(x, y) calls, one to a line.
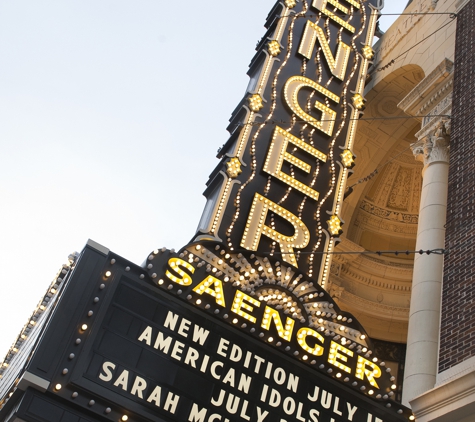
point(291, 155)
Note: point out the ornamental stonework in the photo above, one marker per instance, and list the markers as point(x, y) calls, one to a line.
point(435, 146)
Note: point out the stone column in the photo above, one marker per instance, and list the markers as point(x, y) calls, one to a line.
point(424, 317)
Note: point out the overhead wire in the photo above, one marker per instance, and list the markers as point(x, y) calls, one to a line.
point(284, 122)
point(314, 15)
point(389, 64)
point(437, 251)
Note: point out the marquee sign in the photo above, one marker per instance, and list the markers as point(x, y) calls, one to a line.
point(121, 349)
point(237, 325)
point(276, 304)
point(280, 184)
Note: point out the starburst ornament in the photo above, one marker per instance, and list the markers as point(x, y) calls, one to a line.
point(358, 101)
point(368, 52)
point(233, 168)
point(334, 225)
point(274, 48)
point(347, 158)
point(255, 102)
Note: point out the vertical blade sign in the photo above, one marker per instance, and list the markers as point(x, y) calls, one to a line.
point(279, 187)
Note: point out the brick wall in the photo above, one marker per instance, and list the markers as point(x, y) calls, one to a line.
point(458, 297)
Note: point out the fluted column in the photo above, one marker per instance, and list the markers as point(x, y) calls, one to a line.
point(424, 317)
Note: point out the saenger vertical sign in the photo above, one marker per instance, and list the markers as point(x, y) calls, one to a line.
point(279, 187)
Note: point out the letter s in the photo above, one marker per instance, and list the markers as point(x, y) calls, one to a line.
point(106, 367)
point(313, 414)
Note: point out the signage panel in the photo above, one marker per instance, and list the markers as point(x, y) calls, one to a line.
point(161, 358)
point(280, 185)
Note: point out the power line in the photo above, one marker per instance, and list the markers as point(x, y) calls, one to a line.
point(284, 122)
point(438, 251)
point(315, 15)
point(452, 14)
point(379, 69)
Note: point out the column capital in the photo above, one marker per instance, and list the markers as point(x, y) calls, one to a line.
point(434, 146)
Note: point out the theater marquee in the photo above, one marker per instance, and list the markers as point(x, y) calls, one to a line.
point(279, 187)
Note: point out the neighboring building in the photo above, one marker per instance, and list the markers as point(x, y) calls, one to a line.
point(423, 69)
point(418, 309)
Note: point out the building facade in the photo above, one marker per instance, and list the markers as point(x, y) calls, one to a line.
point(413, 190)
point(402, 264)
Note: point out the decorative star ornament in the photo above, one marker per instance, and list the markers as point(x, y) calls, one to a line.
point(233, 168)
point(274, 48)
point(347, 158)
point(334, 225)
point(255, 102)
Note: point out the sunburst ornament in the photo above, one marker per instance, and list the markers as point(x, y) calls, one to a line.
point(368, 52)
point(347, 158)
point(290, 3)
point(255, 102)
point(358, 101)
point(334, 225)
point(233, 168)
point(274, 48)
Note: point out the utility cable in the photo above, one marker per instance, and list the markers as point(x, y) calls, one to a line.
point(438, 251)
point(379, 69)
point(369, 119)
point(316, 15)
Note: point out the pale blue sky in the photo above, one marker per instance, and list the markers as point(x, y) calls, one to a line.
point(111, 113)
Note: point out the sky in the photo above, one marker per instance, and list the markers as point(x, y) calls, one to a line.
point(111, 114)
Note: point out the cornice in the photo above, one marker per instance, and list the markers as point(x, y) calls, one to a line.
point(432, 88)
point(373, 308)
point(347, 245)
point(352, 274)
point(400, 30)
point(387, 214)
point(387, 269)
point(378, 224)
point(451, 400)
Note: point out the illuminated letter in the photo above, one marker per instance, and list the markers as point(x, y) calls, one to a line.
point(291, 92)
point(175, 264)
point(204, 287)
point(278, 153)
point(239, 304)
point(255, 228)
point(337, 64)
point(322, 6)
point(302, 335)
point(334, 355)
point(272, 314)
point(362, 370)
